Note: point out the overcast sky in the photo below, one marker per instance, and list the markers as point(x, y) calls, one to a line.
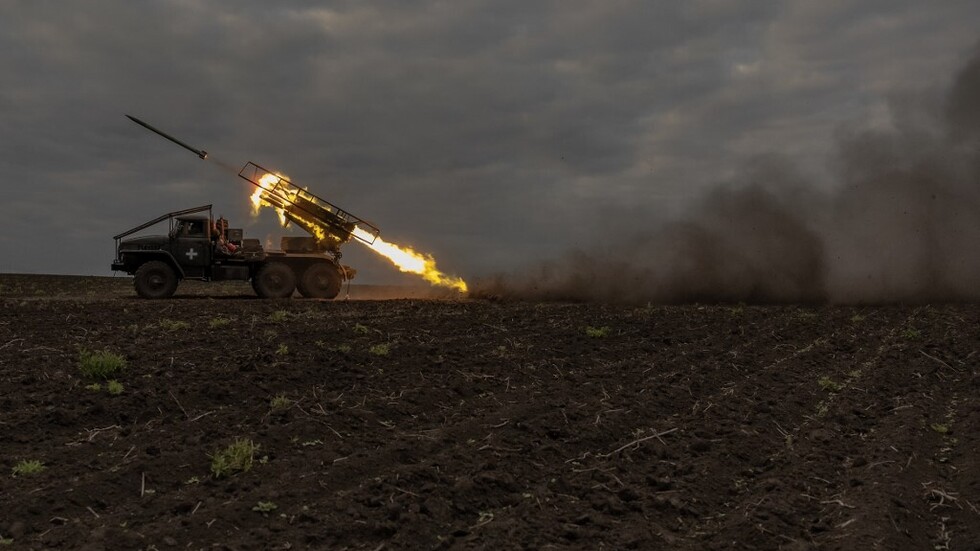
point(487, 132)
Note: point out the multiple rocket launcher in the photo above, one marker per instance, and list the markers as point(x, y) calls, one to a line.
point(328, 223)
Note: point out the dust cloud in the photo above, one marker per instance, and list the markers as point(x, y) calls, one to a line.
point(902, 225)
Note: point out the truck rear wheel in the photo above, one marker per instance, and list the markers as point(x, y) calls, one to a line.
point(155, 279)
point(274, 280)
point(321, 280)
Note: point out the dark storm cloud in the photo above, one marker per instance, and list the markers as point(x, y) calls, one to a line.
point(484, 131)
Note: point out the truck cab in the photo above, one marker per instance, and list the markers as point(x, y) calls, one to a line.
point(188, 247)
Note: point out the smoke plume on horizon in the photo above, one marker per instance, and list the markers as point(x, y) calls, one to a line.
point(902, 225)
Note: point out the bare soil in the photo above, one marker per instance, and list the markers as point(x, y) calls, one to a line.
point(421, 423)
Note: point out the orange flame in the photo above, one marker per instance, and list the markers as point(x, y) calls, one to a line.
point(410, 261)
point(268, 194)
point(261, 195)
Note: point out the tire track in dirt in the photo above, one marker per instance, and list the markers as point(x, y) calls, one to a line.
point(752, 421)
point(839, 466)
point(907, 487)
point(765, 495)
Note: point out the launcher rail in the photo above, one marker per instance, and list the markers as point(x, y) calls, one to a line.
point(327, 216)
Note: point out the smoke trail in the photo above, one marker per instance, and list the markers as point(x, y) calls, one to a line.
point(903, 226)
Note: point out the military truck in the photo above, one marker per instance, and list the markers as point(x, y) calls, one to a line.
point(196, 247)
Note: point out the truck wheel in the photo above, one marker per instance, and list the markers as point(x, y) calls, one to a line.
point(155, 279)
point(274, 280)
point(320, 280)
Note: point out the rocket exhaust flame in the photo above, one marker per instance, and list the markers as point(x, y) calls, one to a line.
point(410, 261)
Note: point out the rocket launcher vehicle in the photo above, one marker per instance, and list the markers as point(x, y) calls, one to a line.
point(329, 225)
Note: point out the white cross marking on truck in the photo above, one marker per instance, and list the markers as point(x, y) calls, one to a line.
point(191, 253)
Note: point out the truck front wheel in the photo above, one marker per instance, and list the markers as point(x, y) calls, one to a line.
point(274, 280)
point(321, 280)
point(155, 279)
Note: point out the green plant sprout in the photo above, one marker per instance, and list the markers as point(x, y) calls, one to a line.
point(219, 322)
point(597, 332)
point(28, 467)
point(830, 385)
point(100, 364)
point(173, 325)
point(235, 458)
point(280, 402)
point(380, 349)
point(265, 507)
point(278, 316)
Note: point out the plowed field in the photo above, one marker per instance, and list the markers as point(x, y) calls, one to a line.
point(420, 423)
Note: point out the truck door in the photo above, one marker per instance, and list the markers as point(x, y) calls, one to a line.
point(192, 249)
